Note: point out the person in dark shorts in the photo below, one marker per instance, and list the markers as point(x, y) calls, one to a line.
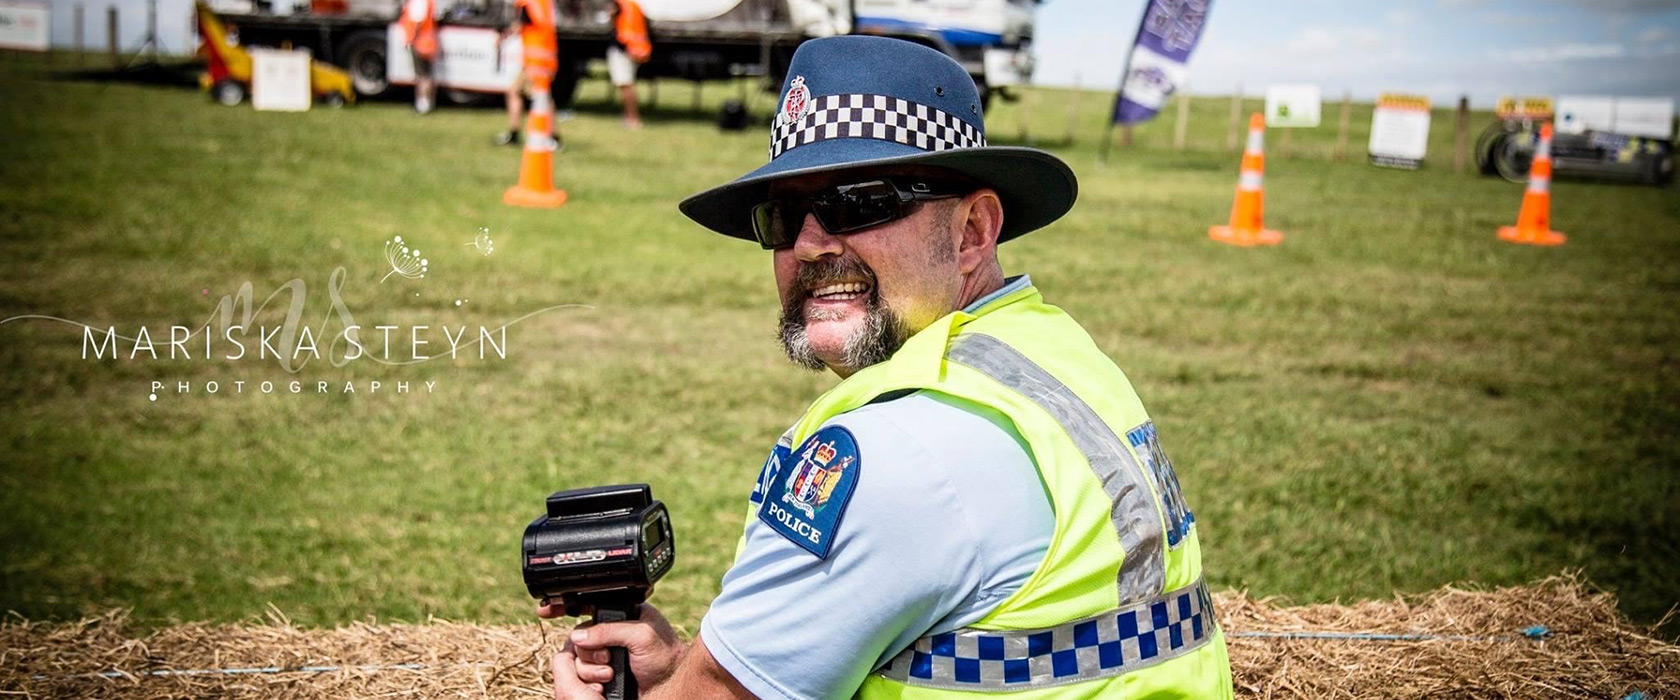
point(419, 26)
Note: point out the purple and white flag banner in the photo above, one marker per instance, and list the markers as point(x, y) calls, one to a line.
point(1156, 69)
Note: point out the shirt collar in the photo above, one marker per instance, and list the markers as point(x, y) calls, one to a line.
point(1010, 286)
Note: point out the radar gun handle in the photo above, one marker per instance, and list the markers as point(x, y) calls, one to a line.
point(623, 683)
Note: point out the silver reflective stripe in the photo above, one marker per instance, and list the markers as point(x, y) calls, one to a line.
point(1114, 643)
point(1250, 180)
point(1132, 510)
point(1256, 142)
point(1539, 184)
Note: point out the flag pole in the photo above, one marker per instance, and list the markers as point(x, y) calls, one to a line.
point(1125, 72)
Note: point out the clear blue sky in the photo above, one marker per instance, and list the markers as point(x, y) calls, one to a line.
point(1442, 48)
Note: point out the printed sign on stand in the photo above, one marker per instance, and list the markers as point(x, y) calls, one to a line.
point(1293, 106)
point(280, 80)
point(1524, 107)
point(1399, 131)
point(24, 25)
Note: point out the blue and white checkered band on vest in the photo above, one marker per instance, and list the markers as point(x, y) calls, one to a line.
point(878, 117)
point(1114, 643)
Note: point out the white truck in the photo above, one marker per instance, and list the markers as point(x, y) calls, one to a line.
point(693, 39)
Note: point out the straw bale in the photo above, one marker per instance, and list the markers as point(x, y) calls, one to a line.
point(1475, 649)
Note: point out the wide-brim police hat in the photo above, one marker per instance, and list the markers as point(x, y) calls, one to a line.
point(865, 102)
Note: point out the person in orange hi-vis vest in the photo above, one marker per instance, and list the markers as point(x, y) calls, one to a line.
point(533, 21)
point(630, 49)
point(420, 33)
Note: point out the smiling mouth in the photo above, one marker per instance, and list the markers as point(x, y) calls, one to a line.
point(844, 291)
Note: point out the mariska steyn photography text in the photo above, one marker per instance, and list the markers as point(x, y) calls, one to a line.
point(238, 331)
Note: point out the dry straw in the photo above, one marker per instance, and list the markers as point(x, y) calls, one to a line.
point(1473, 646)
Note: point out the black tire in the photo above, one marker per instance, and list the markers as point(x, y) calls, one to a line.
point(363, 55)
point(1513, 155)
point(333, 100)
point(1486, 144)
point(228, 92)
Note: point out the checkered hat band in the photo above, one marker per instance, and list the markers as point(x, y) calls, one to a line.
point(876, 117)
point(1103, 646)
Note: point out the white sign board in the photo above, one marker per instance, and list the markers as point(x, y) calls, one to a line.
point(280, 80)
point(1580, 113)
point(1400, 131)
point(1644, 116)
point(467, 59)
point(1651, 117)
point(1292, 106)
point(24, 26)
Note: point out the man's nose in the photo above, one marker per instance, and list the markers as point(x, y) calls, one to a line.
point(814, 241)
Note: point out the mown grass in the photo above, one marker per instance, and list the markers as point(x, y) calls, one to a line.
point(1390, 400)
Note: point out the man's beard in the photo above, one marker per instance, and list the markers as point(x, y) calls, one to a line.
point(881, 334)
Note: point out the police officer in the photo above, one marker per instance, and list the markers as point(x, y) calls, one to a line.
point(981, 507)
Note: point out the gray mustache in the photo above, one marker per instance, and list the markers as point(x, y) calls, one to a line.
point(816, 275)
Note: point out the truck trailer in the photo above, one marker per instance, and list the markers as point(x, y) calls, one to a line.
point(697, 40)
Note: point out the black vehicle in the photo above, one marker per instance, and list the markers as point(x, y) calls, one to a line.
point(1506, 148)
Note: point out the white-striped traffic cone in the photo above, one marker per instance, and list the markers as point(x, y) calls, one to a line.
point(1247, 227)
point(1534, 221)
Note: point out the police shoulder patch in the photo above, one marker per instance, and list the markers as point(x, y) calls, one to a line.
point(805, 499)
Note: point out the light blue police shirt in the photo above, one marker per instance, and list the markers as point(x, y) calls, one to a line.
point(948, 519)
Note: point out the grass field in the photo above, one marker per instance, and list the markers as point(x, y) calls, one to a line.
point(1391, 399)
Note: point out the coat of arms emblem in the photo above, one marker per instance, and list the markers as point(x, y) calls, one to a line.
point(814, 478)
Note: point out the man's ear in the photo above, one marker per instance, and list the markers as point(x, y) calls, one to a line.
point(980, 218)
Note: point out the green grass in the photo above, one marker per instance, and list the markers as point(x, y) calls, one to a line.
point(1391, 400)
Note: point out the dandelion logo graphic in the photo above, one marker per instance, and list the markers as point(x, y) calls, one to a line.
point(482, 241)
point(403, 261)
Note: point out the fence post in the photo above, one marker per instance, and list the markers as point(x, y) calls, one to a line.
point(1182, 128)
point(1024, 135)
point(1342, 128)
point(111, 36)
point(1073, 106)
point(1461, 134)
point(1236, 113)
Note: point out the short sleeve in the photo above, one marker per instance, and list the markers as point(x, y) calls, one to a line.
point(916, 551)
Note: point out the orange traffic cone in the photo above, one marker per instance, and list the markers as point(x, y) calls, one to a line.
point(1534, 221)
point(1248, 211)
point(536, 165)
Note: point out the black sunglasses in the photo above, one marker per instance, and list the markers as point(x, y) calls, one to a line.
point(844, 209)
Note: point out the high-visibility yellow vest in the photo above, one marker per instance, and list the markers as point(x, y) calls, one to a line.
point(1118, 608)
